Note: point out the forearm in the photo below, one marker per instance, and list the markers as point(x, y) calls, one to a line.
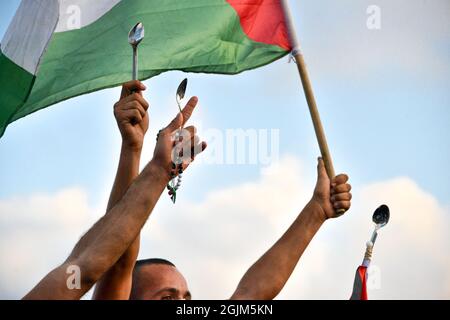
point(107, 240)
point(115, 232)
point(267, 277)
point(127, 171)
point(116, 282)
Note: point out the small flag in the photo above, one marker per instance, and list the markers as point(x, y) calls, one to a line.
point(57, 49)
point(360, 284)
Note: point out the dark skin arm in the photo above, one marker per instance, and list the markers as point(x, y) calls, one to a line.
point(132, 119)
point(267, 277)
point(101, 247)
point(117, 282)
point(106, 242)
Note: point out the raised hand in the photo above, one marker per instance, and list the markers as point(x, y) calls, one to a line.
point(331, 196)
point(131, 114)
point(187, 146)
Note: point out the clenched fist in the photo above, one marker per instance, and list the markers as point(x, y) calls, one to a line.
point(333, 195)
point(131, 115)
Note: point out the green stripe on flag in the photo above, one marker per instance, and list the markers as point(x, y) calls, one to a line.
point(16, 84)
point(193, 36)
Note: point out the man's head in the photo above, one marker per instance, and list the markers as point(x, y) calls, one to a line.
point(158, 279)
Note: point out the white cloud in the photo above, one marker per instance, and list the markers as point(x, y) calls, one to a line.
point(412, 251)
point(214, 241)
point(37, 234)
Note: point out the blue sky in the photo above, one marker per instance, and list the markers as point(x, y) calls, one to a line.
point(383, 95)
point(382, 122)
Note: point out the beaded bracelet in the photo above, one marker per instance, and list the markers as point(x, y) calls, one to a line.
point(175, 183)
point(177, 167)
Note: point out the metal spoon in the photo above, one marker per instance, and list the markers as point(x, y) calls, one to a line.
point(380, 218)
point(181, 92)
point(136, 35)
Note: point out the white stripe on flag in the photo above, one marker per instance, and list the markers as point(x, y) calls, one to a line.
point(76, 14)
point(28, 34)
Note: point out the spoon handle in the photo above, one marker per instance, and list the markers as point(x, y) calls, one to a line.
point(135, 63)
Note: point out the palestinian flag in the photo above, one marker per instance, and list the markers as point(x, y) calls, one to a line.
point(58, 49)
point(360, 284)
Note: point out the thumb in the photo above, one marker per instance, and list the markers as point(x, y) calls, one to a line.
point(321, 170)
point(176, 123)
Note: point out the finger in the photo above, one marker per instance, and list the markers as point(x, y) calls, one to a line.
point(341, 188)
point(133, 115)
point(189, 109)
point(187, 134)
point(340, 179)
point(195, 140)
point(187, 146)
point(189, 143)
point(135, 105)
point(132, 86)
point(321, 170)
point(191, 131)
point(184, 116)
point(347, 196)
point(199, 148)
point(175, 124)
point(342, 205)
point(135, 97)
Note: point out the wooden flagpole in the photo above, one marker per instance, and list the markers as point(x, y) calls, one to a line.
point(307, 87)
point(318, 127)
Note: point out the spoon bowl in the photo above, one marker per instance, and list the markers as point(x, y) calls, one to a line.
point(381, 216)
point(137, 34)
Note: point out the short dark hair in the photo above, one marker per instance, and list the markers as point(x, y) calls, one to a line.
point(146, 262)
point(142, 263)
